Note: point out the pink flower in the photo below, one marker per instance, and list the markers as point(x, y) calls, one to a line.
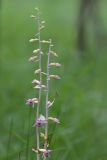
point(46, 153)
point(31, 102)
point(41, 121)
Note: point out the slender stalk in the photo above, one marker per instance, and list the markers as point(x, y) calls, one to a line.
point(40, 89)
point(47, 95)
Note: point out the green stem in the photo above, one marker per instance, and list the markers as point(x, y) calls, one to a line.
point(40, 90)
point(47, 95)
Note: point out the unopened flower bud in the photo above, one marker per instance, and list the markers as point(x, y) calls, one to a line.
point(43, 86)
point(55, 64)
point(53, 53)
point(37, 87)
point(36, 151)
point(43, 41)
point(33, 58)
point(37, 9)
point(41, 53)
point(50, 103)
point(55, 120)
point(42, 135)
point(44, 73)
point(36, 82)
point(36, 51)
point(37, 71)
point(55, 77)
point(40, 86)
point(33, 40)
point(42, 22)
point(42, 27)
point(32, 16)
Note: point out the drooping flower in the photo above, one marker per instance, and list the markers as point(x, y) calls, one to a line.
point(46, 153)
point(41, 121)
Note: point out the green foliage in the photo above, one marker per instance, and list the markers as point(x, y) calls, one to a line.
point(81, 94)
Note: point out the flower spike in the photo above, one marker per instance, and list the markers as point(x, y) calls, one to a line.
point(41, 84)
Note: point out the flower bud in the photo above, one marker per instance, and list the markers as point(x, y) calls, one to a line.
point(42, 135)
point(39, 86)
point(43, 86)
point(43, 41)
point(36, 82)
point(37, 71)
point(42, 27)
point(55, 77)
point(55, 64)
point(32, 16)
point(44, 73)
point(36, 151)
point(33, 58)
point(55, 120)
point(33, 40)
point(50, 103)
point(42, 22)
point(53, 53)
point(36, 51)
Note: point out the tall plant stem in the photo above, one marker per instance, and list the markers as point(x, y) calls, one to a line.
point(40, 89)
point(47, 95)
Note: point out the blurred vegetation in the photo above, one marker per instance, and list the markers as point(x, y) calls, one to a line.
point(81, 102)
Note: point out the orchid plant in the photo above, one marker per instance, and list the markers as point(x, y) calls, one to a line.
point(42, 120)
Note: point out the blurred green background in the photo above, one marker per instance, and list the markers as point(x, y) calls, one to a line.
point(81, 95)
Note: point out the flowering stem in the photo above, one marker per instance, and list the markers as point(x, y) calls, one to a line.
point(42, 120)
point(47, 94)
point(40, 89)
